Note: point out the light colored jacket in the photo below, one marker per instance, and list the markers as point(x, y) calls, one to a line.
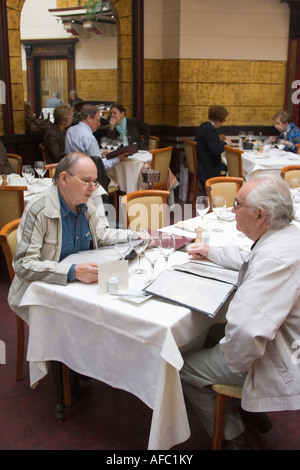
point(39, 245)
point(262, 335)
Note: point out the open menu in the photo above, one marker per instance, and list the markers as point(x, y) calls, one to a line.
point(130, 149)
point(199, 286)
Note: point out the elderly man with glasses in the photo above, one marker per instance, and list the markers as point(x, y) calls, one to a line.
point(56, 223)
point(258, 349)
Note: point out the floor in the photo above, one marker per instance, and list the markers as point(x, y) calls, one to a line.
point(103, 418)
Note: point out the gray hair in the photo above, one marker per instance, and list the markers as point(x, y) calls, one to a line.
point(68, 163)
point(271, 193)
point(88, 110)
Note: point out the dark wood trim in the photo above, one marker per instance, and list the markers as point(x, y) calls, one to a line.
point(138, 58)
point(5, 70)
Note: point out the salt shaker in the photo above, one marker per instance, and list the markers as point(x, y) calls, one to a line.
point(113, 285)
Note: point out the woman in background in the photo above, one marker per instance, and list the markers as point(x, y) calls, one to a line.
point(129, 129)
point(54, 137)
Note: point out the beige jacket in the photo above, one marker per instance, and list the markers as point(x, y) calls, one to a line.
point(262, 336)
point(39, 245)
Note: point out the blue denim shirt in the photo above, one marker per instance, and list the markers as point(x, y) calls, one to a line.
point(291, 133)
point(76, 234)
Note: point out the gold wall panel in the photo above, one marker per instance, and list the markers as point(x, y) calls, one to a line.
point(97, 84)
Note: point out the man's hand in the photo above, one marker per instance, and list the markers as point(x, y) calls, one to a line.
point(86, 272)
point(198, 250)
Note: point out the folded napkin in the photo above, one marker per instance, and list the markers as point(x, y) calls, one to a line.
point(227, 216)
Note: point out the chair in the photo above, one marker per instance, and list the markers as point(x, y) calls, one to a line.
point(113, 191)
point(298, 148)
point(191, 158)
point(8, 242)
point(234, 161)
point(153, 142)
point(145, 209)
point(11, 203)
point(43, 151)
point(15, 161)
point(226, 186)
point(290, 171)
point(223, 393)
point(51, 167)
point(161, 159)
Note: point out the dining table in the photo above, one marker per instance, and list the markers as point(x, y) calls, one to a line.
point(131, 342)
point(269, 161)
point(127, 174)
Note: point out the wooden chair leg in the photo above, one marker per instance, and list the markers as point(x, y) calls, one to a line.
point(66, 385)
point(219, 422)
point(20, 348)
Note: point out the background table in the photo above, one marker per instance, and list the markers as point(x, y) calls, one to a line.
point(127, 174)
point(271, 162)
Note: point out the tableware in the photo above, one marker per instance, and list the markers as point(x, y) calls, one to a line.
point(40, 168)
point(280, 145)
point(139, 245)
point(202, 206)
point(167, 245)
point(121, 246)
point(250, 135)
point(294, 185)
point(28, 174)
point(218, 206)
point(152, 253)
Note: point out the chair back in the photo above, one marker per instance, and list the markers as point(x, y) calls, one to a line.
point(146, 209)
point(234, 161)
point(298, 148)
point(8, 241)
point(289, 172)
point(226, 186)
point(190, 155)
point(43, 151)
point(51, 167)
point(161, 159)
point(153, 142)
point(15, 161)
point(11, 203)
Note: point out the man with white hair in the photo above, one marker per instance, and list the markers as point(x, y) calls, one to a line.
point(257, 350)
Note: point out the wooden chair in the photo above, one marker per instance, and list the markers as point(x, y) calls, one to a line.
point(145, 209)
point(153, 142)
point(223, 393)
point(223, 186)
point(51, 167)
point(114, 191)
point(43, 151)
point(15, 161)
point(234, 161)
point(298, 148)
point(290, 171)
point(8, 242)
point(11, 203)
point(161, 159)
point(191, 158)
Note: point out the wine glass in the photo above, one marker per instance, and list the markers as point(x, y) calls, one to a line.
point(202, 206)
point(280, 145)
point(167, 245)
point(139, 245)
point(250, 135)
point(218, 206)
point(122, 246)
point(40, 168)
point(152, 253)
point(25, 171)
point(242, 136)
point(103, 142)
point(294, 185)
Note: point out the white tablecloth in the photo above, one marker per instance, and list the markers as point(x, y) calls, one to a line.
point(272, 161)
point(129, 346)
point(126, 174)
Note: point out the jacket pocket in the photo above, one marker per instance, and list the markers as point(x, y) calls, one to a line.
point(280, 360)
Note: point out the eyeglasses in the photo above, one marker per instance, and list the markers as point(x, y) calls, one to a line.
point(88, 184)
point(237, 205)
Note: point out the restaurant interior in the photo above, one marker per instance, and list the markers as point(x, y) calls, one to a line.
point(167, 62)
